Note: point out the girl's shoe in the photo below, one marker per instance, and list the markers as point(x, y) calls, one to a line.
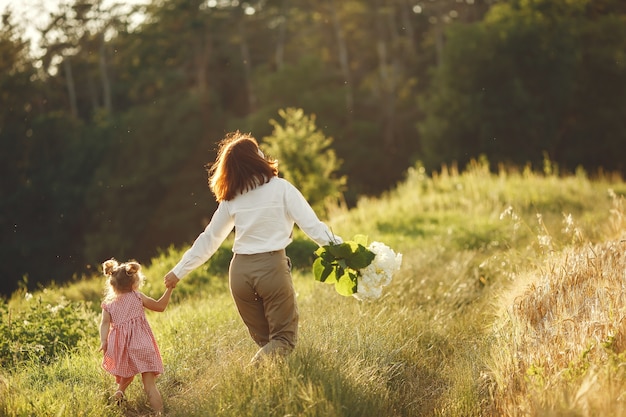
point(118, 398)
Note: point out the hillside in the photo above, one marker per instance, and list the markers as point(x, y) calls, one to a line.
point(510, 301)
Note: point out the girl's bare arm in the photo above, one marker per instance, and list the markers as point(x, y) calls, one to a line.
point(105, 322)
point(157, 305)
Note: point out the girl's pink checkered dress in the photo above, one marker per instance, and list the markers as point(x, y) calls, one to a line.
point(132, 348)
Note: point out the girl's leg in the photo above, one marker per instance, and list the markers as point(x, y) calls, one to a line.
point(154, 396)
point(123, 383)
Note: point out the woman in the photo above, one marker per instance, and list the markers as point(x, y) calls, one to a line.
point(262, 208)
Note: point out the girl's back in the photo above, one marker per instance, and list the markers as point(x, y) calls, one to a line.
point(125, 307)
point(133, 348)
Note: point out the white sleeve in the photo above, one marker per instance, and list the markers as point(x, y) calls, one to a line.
point(306, 219)
point(207, 243)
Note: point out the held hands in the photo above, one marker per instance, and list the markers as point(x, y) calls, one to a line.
point(171, 280)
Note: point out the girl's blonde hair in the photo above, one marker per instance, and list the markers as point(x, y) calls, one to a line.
point(122, 278)
point(240, 166)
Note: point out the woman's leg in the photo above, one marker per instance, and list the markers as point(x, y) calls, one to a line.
point(263, 290)
point(248, 302)
point(154, 396)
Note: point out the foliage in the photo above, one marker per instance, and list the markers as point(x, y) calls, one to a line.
point(340, 264)
point(139, 161)
point(516, 84)
point(208, 279)
point(301, 250)
point(42, 332)
point(18, 108)
point(306, 158)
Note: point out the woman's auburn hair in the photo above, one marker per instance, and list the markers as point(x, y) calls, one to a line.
point(239, 166)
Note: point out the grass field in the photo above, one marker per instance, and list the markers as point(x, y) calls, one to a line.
point(510, 302)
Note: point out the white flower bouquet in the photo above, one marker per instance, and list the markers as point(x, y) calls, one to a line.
point(357, 270)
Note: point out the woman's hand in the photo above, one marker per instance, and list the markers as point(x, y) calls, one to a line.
point(171, 280)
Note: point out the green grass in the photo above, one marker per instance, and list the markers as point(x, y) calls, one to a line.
point(449, 337)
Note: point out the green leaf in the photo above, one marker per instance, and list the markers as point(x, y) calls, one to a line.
point(324, 253)
point(362, 258)
point(321, 270)
point(335, 273)
point(342, 250)
point(341, 263)
point(347, 284)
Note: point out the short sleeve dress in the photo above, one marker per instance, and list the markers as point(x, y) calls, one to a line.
point(132, 348)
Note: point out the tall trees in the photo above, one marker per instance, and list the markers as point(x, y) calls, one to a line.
point(150, 189)
point(593, 131)
point(104, 139)
point(19, 103)
point(526, 81)
point(46, 169)
point(306, 158)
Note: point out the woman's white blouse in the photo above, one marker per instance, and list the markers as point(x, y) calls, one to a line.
point(263, 219)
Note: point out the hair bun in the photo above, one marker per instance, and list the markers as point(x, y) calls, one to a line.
point(132, 267)
point(109, 266)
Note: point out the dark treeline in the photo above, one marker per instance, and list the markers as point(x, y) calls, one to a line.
point(104, 133)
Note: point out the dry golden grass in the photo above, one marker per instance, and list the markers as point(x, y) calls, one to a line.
point(560, 341)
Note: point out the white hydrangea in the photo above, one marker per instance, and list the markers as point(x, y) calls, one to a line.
point(376, 275)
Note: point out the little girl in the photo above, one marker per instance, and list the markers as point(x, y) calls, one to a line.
point(126, 338)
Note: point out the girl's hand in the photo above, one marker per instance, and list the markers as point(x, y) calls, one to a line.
point(171, 280)
point(103, 347)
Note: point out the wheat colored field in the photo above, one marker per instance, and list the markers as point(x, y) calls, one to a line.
point(511, 301)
